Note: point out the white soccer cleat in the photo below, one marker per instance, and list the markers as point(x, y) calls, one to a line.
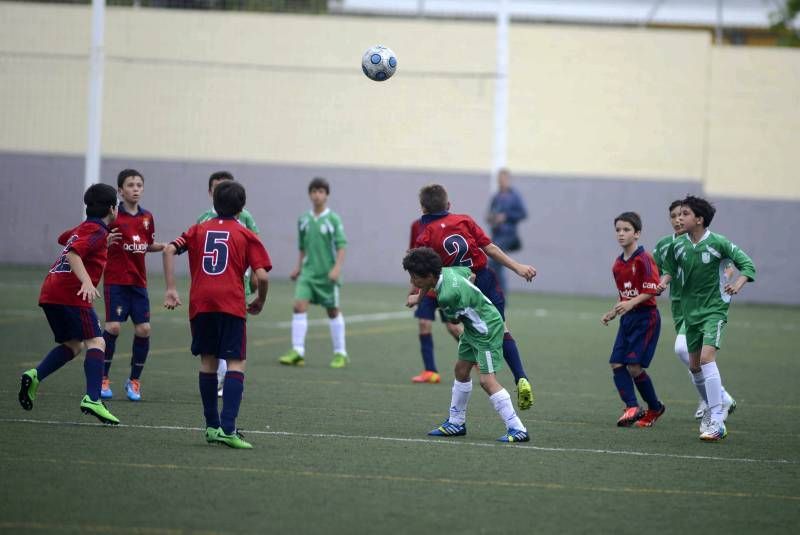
point(705, 422)
point(715, 432)
point(702, 408)
point(728, 406)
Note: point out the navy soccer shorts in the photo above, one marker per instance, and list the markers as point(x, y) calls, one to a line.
point(487, 283)
point(72, 323)
point(426, 308)
point(637, 337)
point(219, 334)
point(123, 300)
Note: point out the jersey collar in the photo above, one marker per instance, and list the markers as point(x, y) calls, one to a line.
point(98, 221)
point(636, 253)
point(706, 234)
point(427, 218)
point(122, 210)
point(316, 217)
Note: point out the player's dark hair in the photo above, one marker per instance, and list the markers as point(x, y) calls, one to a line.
point(127, 173)
point(433, 198)
point(675, 204)
point(99, 200)
point(219, 175)
point(701, 208)
point(319, 183)
point(632, 218)
point(422, 261)
point(229, 198)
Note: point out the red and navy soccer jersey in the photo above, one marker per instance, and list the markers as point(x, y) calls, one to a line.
point(456, 238)
point(87, 240)
point(637, 275)
point(416, 230)
point(220, 251)
point(126, 264)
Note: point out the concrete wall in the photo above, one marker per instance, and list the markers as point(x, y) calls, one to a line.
point(601, 121)
point(568, 237)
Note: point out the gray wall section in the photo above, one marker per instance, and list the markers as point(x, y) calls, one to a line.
point(568, 236)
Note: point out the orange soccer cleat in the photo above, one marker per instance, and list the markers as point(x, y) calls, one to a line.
point(427, 377)
point(630, 416)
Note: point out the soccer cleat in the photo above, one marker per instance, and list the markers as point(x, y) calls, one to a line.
point(105, 389)
point(427, 377)
point(212, 433)
point(292, 358)
point(234, 440)
point(449, 429)
point(630, 416)
point(29, 384)
point(340, 360)
point(728, 406)
point(98, 410)
point(525, 397)
point(650, 417)
point(701, 410)
point(515, 435)
point(705, 421)
point(133, 389)
point(714, 432)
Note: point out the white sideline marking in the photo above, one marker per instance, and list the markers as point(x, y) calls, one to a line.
point(444, 442)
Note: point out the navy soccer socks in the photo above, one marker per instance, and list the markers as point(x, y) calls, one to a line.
point(426, 348)
point(645, 387)
point(208, 393)
point(93, 369)
point(624, 383)
point(511, 356)
point(141, 346)
point(111, 347)
point(57, 357)
point(231, 399)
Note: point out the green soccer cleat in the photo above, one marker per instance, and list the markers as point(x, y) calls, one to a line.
point(234, 440)
point(212, 433)
point(29, 384)
point(292, 358)
point(340, 360)
point(98, 410)
point(525, 397)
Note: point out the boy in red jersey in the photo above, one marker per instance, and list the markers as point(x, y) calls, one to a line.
point(636, 276)
point(459, 241)
point(66, 299)
point(426, 313)
point(220, 251)
point(125, 280)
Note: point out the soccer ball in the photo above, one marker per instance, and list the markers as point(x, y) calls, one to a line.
point(379, 63)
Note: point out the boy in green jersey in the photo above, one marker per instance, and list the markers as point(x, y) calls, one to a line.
point(247, 221)
point(481, 343)
point(659, 252)
point(697, 259)
point(322, 243)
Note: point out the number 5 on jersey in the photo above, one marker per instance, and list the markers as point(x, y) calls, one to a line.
point(215, 252)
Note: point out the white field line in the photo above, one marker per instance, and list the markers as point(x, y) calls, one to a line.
point(427, 441)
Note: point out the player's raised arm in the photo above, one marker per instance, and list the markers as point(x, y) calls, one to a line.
point(523, 270)
point(87, 291)
point(171, 297)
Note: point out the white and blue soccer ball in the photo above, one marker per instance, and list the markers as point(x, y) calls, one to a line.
point(379, 63)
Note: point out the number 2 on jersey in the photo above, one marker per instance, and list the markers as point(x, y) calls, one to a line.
point(455, 244)
point(215, 252)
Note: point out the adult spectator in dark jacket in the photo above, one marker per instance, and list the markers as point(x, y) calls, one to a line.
point(506, 210)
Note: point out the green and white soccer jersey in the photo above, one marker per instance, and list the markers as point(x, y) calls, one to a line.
point(700, 270)
point(246, 219)
point(459, 299)
point(319, 237)
point(659, 254)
